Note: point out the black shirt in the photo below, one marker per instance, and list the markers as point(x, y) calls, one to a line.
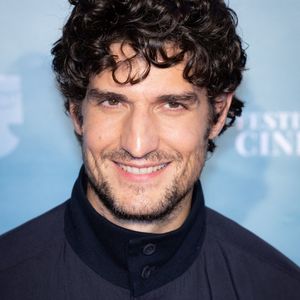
point(71, 252)
point(137, 261)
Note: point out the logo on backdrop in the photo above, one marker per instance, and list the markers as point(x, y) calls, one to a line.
point(10, 112)
point(268, 134)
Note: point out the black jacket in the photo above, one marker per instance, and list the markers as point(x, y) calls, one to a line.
point(73, 253)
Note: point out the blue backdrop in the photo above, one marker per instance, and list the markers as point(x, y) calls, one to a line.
point(252, 177)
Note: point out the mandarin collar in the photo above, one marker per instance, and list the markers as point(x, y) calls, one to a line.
point(134, 260)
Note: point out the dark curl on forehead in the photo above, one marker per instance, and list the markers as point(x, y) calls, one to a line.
point(202, 31)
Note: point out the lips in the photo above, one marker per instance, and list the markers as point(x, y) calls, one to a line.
point(141, 170)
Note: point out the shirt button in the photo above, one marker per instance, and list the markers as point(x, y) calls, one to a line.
point(146, 272)
point(149, 249)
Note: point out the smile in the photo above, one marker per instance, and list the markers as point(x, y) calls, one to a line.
point(143, 171)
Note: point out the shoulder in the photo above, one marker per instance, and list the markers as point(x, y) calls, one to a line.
point(240, 246)
point(29, 239)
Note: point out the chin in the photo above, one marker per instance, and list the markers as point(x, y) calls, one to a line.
point(134, 203)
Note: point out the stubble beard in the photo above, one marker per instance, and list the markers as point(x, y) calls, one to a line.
point(170, 202)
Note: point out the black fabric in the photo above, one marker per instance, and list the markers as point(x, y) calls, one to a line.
point(117, 254)
point(65, 254)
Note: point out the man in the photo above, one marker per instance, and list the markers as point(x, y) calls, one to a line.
point(148, 86)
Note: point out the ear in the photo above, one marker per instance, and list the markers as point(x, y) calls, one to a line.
point(74, 111)
point(221, 107)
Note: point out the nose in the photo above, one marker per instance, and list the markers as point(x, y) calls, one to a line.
point(140, 135)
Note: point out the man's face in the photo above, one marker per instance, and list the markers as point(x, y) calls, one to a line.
point(144, 145)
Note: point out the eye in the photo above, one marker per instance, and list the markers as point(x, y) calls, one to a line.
point(110, 102)
point(173, 105)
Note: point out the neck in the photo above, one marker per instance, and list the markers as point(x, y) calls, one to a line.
point(170, 223)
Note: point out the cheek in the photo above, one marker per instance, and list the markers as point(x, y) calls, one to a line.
point(188, 137)
point(99, 134)
point(98, 138)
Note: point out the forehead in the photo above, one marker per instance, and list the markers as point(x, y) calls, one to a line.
point(158, 81)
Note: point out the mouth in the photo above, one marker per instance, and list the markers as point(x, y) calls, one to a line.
point(141, 171)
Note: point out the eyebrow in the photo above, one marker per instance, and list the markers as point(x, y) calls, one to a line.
point(190, 97)
point(99, 95)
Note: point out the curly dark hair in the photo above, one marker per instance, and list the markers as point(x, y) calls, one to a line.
point(204, 31)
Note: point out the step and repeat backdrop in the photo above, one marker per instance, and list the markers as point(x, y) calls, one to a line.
point(253, 177)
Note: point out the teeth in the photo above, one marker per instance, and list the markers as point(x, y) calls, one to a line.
point(138, 171)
